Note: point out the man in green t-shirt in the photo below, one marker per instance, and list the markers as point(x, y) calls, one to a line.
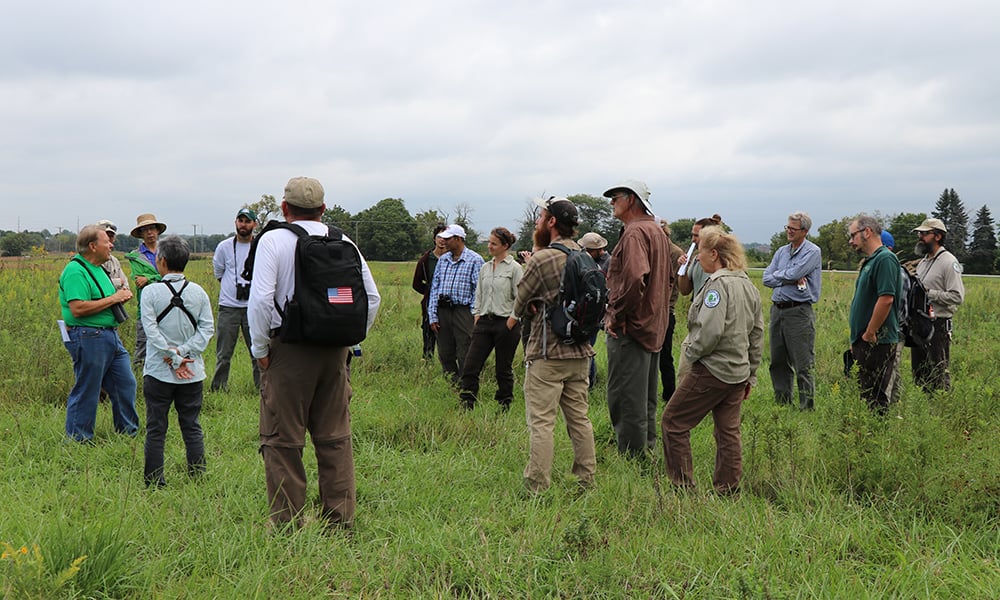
point(874, 316)
point(88, 299)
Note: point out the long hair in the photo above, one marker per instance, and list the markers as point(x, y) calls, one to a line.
point(731, 253)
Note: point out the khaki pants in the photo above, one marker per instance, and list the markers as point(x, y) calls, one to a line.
point(698, 394)
point(307, 388)
point(551, 385)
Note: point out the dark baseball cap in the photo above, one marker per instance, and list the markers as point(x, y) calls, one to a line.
point(562, 209)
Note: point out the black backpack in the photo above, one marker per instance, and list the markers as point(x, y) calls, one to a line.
point(583, 298)
point(330, 304)
point(916, 316)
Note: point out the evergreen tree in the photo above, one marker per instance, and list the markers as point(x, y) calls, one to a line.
point(951, 211)
point(983, 250)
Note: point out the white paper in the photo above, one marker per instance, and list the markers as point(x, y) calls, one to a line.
point(62, 330)
point(684, 268)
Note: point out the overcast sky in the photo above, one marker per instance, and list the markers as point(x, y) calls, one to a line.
point(752, 110)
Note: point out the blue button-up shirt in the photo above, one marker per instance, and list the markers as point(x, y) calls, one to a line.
point(456, 279)
point(788, 266)
point(176, 330)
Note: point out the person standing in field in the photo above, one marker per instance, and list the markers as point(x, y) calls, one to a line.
point(234, 292)
point(941, 274)
point(555, 373)
point(449, 309)
point(874, 315)
point(177, 316)
point(637, 317)
point(422, 276)
point(142, 263)
point(491, 331)
point(723, 348)
point(668, 377)
point(694, 276)
point(89, 302)
point(595, 245)
point(303, 387)
point(795, 276)
point(113, 267)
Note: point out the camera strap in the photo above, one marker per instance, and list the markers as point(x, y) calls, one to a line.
point(91, 273)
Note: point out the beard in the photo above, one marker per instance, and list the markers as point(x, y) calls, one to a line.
point(921, 248)
point(542, 237)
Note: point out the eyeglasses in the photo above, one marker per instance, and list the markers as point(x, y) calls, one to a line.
point(787, 228)
point(851, 234)
point(618, 197)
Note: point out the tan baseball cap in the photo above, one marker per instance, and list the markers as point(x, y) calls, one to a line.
point(931, 224)
point(304, 192)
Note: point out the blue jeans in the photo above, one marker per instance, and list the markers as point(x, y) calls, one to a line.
point(99, 361)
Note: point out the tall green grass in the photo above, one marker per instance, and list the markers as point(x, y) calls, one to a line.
point(836, 503)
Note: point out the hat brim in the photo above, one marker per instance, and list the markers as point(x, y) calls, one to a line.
point(159, 226)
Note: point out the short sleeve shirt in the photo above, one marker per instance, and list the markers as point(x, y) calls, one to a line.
point(879, 276)
point(76, 283)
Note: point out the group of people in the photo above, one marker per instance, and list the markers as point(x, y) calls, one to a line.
point(646, 272)
point(472, 308)
point(302, 388)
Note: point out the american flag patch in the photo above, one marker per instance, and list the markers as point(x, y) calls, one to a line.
point(340, 295)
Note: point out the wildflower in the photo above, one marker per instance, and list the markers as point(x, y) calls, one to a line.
point(24, 550)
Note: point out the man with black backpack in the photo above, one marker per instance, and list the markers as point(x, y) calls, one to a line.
point(555, 374)
point(941, 275)
point(637, 318)
point(312, 297)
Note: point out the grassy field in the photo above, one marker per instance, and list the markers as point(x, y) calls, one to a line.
point(837, 503)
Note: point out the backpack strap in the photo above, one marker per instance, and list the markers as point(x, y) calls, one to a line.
point(178, 302)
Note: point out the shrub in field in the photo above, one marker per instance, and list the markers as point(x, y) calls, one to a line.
point(27, 574)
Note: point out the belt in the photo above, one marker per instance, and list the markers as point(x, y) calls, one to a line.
point(789, 304)
point(452, 305)
point(87, 327)
point(492, 317)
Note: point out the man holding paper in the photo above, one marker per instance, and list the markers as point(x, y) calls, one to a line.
point(88, 300)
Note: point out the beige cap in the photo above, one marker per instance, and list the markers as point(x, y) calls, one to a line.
point(304, 192)
point(931, 224)
point(592, 241)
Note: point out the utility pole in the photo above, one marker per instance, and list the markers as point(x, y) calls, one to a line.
point(194, 238)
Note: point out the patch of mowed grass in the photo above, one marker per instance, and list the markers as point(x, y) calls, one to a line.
point(836, 502)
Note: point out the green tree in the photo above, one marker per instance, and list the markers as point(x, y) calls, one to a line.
point(951, 211)
point(778, 240)
point(901, 227)
point(426, 222)
point(680, 232)
point(527, 227)
point(339, 217)
point(266, 208)
point(983, 250)
point(17, 244)
point(597, 215)
point(387, 231)
point(832, 241)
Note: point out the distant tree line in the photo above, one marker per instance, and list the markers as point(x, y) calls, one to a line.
point(387, 231)
point(977, 251)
